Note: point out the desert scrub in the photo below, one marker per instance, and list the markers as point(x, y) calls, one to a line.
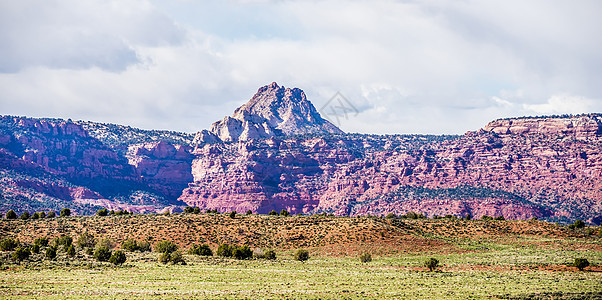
point(301, 255)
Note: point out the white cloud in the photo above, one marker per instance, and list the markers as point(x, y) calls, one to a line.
point(562, 104)
point(408, 66)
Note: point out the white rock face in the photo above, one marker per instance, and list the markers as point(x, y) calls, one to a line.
point(273, 111)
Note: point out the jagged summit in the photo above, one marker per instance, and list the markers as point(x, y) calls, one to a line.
point(273, 111)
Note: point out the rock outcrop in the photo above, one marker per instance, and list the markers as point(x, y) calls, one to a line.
point(545, 167)
point(274, 111)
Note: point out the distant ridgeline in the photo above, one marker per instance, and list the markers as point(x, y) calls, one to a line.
point(276, 152)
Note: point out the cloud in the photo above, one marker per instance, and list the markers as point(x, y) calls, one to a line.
point(73, 34)
point(407, 66)
point(562, 104)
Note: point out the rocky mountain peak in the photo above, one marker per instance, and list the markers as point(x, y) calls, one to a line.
point(273, 111)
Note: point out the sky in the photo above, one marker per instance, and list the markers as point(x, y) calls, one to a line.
point(407, 67)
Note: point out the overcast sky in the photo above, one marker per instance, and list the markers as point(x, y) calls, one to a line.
point(403, 66)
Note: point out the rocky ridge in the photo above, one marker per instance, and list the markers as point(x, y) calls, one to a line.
point(545, 167)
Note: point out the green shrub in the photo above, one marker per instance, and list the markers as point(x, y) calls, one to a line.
point(175, 257)
point(21, 254)
point(232, 214)
point(202, 250)
point(196, 210)
point(51, 214)
point(165, 247)
point(468, 217)
point(35, 248)
point(302, 255)
point(249, 212)
point(284, 213)
point(366, 258)
point(130, 245)
point(431, 264)
point(581, 263)
point(9, 244)
point(224, 250)
point(71, 251)
point(11, 215)
point(391, 216)
point(25, 215)
point(188, 209)
point(486, 217)
point(242, 252)
point(500, 218)
point(103, 212)
point(105, 243)
point(578, 224)
point(102, 254)
point(90, 251)
point(35, 216)
point(144, 246)
point(117, 258)
point(267, 254)
point(65, 212)
point(86, 240)
point(64, 240)
point(273, 213)
point(41, 241)
point(42, 215)
point(51, 253)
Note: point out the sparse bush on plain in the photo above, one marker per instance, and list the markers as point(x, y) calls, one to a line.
point(196, 210)
point(41, 241)
point(302, 255)
point(264, 254)
point(249, 212)
point(391, 216)
point(242, 252)
point(500, 218)
point(35, 248)
point(202, 250)
point(102, 254)
point(106, 243)
point(21, 253)
point(432, 264)
point(25, 215)
point(366, 257)
point(144, 246)
point(103, 212)
point(273, 213)
point(188, 209)
point(11, 215)
point(577, 225)
point(117, 258)
point(581, 263)
point(175, 257)
point(9, 244)
point(64, 240)
point(284, 213)
point(51, 214)
point(51, 253)
point(130, 245)
point(71, 251)
point(35, 216)
point(224, 250)
point(65, 212)
point(486, 217)
point(86, 240)
point(232, 214)
point(165, 247)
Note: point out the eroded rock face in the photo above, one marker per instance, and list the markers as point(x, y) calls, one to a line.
point(552, 172)
point(273, 111)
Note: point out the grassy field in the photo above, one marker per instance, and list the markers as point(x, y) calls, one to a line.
point(482, 260)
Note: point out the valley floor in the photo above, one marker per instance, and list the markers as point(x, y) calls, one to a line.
point(492, 259)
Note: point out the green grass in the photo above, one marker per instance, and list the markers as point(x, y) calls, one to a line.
point(509, 271)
